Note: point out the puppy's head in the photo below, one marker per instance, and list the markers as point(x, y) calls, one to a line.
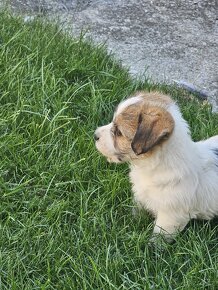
point(140, 125)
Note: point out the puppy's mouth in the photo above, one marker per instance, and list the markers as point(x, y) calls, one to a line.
point(116, 159)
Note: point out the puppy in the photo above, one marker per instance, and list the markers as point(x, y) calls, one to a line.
point(173, 177)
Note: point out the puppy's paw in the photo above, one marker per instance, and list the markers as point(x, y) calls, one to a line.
point(157, 243)
point(135, 211)
point(160, 241)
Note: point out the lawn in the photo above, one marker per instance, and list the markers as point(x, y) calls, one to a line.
point(65, 213)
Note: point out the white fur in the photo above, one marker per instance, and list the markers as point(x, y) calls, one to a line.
point(176, 183)
point(180, 182)
point(106, 146)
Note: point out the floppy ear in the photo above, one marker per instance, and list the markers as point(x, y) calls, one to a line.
point(154, 126)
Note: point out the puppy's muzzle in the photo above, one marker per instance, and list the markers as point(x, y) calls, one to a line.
point(96, 136)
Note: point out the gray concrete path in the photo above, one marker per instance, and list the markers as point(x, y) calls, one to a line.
point(169, 39)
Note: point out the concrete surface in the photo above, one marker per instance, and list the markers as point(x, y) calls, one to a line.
point(169, 39)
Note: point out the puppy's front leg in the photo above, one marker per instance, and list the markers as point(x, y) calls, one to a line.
point(168, 225)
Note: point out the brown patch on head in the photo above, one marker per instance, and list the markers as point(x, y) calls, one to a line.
point(154, 126)
point(127, 120)
point(155, 98)
point(143, 125)
point(126, 124)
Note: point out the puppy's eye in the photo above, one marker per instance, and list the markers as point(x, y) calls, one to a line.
point(118, 132)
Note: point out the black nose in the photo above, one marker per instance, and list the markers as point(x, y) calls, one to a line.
point(96, 137)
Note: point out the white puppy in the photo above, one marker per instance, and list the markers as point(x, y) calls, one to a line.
point(173, 177)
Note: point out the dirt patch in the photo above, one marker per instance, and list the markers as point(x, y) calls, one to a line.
point(168, 40)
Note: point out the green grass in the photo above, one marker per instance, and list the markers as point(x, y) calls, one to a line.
point(65, 214)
